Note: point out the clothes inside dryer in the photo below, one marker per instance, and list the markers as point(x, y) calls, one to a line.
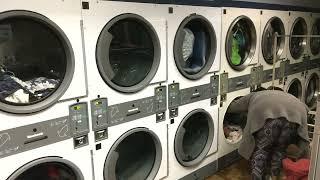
point(297, 44)
point(135, 155)
point(33, 60)
point(312, 91)
point(128, 53)
point(194, 137)
point(315, 41)
point(295, 88)
point(274, 25)
point(241, 43)
point(48, 170)
point(233, 126)
point(194, 46)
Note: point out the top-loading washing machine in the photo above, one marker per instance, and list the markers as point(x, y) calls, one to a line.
point(299, 24)
point(193, 44)
point(52, 149)
point(125, 46)
point(314, 42)
point(240, 41)
point(41, 59)
point(273, 22)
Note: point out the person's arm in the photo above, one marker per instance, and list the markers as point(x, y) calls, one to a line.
point(240, 105)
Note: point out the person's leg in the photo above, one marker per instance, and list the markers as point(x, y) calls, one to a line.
point(288, 131)
point(264, 140)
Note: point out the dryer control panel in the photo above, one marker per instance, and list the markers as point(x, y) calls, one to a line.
point(79, 123)
point(99, 118)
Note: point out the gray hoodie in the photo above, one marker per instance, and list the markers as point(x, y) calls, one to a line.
point(269, 104)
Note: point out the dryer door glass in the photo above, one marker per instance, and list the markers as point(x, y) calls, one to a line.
point(241, 43)
point(315, 41)
point(194, 137)
point(295, 88)
point(49, 171)
point(297, 44)
point(194, 47)
point(135, 155)
point(36, 62)
point(312, 91)
point(128, 53)
point(233, 125)
point(274, 25)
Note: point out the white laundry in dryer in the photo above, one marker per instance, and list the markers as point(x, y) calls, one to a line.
point(41, 60)
point(231, 128)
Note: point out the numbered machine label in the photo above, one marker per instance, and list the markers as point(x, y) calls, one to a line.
point(79, 123)
point(99, 118)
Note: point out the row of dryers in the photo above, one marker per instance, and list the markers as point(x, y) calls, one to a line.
point(147, 80)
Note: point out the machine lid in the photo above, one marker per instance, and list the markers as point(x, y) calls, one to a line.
point(194, 137)
point(128, 53)
point(315, 41)
point(312, 91)
point(48, 168)
point(36, 62)
point(137, 154)
point(233, 125)
point(241, 43)
point(274, 25)
point(195, 47)
point(295, 88)
point(297, 45)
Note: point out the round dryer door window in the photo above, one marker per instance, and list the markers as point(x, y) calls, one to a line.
point(128, 53)
point(194, 47)
point(241, 43)
point(312, 91)
point(274, 25)
point(297, 44)
point(36, 62)
point(48, 169)
point(194, 137)
point(315, 41)
point(295, 88)
point(233, 125)
point(135, 155)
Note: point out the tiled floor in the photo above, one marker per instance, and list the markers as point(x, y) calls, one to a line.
point(237, 171)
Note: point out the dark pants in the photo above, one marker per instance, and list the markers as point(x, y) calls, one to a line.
point(271, 142)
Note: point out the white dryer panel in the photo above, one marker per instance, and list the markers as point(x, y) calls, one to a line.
point(315, 19)
point(294, 18)
point(64, 150)
point(229, 17)
point(268, 16)
point(180, 13)
point(176, 170)
point(226, 147)
point(95, 19)
point(115, 133)
point(295, 85)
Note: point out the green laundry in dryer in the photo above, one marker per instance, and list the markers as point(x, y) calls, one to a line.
point(235, 57)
